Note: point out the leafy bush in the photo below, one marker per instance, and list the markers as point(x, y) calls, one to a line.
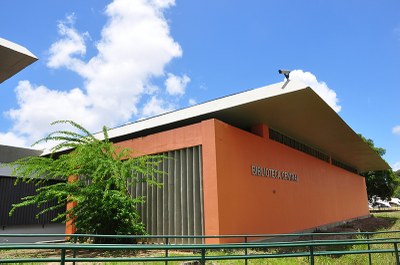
point(96, 174)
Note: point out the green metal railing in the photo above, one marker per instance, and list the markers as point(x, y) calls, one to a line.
point(310, 248)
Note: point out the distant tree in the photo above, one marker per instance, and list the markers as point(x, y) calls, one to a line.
point(380, 183)
point(396, 192)
point(103, 173)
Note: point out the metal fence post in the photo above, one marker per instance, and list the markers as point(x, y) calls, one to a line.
point(245, 250)
point(397, 253)
point(166, 250)
point(203, 256)
point(311, 255)
point(369, 253)
point(62, 262)
point(74, 251)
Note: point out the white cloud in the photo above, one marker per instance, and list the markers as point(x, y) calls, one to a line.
point(156, 106)
point(10, 138)
point(163, 3)
point(321, 88)
point(192, 102)
point(72, 43)
point(135, 46)
point(396, 166)
point(176, 85)
point(396, 130)
point(39, 106)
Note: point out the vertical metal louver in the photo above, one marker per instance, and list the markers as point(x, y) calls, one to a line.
point(11, 194)
point(176, 208)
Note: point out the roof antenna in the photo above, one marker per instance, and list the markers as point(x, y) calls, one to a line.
point(286, 73)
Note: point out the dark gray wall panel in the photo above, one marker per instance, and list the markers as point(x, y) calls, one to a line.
point(11, 194)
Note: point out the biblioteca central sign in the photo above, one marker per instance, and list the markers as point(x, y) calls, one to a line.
point(273, 173)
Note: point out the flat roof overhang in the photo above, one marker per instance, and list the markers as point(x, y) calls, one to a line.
point(13, 58)
point(291, 108)
point(12, 153)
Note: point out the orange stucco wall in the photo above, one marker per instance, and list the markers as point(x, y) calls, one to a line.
point(248, 204)
point(165, 141)
point(69, 226)
point(236, 202)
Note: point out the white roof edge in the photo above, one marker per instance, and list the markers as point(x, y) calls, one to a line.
point(207, 107)
point(16, 47)
point(336, 138)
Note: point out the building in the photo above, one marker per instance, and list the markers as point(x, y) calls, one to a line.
point(24, 220)
point(276, 159)
point(14, 58)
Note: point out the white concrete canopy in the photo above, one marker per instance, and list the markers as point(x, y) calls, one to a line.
point(13, 58)
point(291, 108)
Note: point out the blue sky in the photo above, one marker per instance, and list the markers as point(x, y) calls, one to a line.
point(111, 62)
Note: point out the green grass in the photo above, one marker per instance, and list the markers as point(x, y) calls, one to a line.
point(344, 259)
